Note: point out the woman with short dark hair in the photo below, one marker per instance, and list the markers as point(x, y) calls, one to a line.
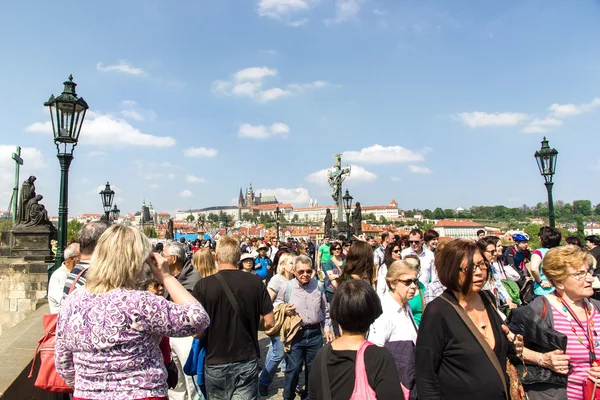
point(359, 263)
point(549, 238)
point(355, 307)
point(431, 239)
point(463, 350)
point(390, 254)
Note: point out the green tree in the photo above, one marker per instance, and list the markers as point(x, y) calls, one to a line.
point(580, 228)
point(190, 218)
point(73, 228)
point(438, 213)
point(567, 212)
point(150, 232)
point(383, 220)
point(533, 230)
point(295, 218)
point(246, 216)
point(212, 217)
point(449, 213)
point(409, 213)
point(597, 209)
point(582, 207)
point(370, 217)
point(427, 214)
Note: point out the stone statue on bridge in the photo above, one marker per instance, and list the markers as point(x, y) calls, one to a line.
point(170, 230)
point(328, 222)
point(32, 214)
point(357, 220)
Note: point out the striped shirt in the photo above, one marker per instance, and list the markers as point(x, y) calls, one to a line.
point(580, 356)
point(81, 266)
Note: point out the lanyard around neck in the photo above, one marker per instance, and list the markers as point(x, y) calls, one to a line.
point(587, 330)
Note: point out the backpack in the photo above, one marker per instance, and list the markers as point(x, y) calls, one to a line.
point(288, 290)
point(47, 378)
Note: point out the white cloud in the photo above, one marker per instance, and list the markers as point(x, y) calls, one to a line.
point(298, 23)
point(541, 125)
point(200, 152)
point(292, 196)
point(254, 74)
point(396, 178)
point(108, 129)
point(263, 131)
point(249, 82)
point(270, 52)
point(570, 110)
point(277, 9)
point(357, 174)
point(377, 11)
point(345, 10)
point(479, 119)
point(154, 186)
point(417, 169)
point(154, 171)
point(122, 67)
point(194, 179)
point(129, 103)
point(378, 154)
point(534, 129)
point(134, 112)
point(186, 193)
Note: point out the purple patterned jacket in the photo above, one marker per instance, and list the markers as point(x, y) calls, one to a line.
point(107, 345)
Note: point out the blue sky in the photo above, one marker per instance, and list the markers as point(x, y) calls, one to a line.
point(433, 103)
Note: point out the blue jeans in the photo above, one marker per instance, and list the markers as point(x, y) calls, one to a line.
point(234, 381)
point(274, 357)
point(305, 346)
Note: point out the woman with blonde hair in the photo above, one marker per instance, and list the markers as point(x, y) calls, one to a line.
point(396, 329)
point(204, 262)
point(417, 303)
point(559, 328)
point(108, 333)
point(285, 272)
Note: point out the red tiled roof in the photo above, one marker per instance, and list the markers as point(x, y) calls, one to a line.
point(367, 208)
point(271, 207)
point(451, 223)
point(314, 208)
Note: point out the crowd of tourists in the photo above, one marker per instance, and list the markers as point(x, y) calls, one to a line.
point(394, 318)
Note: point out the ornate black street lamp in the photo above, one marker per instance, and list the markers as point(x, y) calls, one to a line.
point(115, 213)
point(226, 220)
point(277, 215)
point(107, 195)
point(546, 160)
point(347, 206)
point(67, 113)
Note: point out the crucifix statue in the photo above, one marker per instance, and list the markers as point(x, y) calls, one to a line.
point(18, 162)
point(335, 178)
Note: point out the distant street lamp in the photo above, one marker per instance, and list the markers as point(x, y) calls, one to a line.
point(546, 160)
point(115, 213)
point(226, 220)
point(347, 206)
point(67, 113)
point(107, 195)
point(277, 215)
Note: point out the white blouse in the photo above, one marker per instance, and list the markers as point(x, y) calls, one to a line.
point(395, 324)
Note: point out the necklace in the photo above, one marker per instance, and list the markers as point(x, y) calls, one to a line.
point(588, 331)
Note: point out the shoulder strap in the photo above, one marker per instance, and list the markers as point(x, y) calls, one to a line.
point(76, 279)
point(241, 315)
point(422, 299)
point(325, 373)
point(482, 342)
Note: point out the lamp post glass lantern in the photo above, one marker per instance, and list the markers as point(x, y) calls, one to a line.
point(348, 206)
point(67, 112)
point(107, 195)
point(115, 213)
point(546, 161)
point(277, 215)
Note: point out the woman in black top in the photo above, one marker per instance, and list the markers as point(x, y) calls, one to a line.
point(451, 363)
point(355, 307)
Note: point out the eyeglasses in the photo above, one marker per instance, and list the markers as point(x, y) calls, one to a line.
point(337, 249)
point(580, 276)
point(396, 251)
point(347, 245)
point(304, 272)
point(481, 265)
point(414, 241)
point(408, 282)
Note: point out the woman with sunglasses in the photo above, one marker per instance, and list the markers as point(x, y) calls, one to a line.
point(333, 269)
point(391, 254)
point(562, 328)
point(417, 303)
point(395, 328)
point(464, 353)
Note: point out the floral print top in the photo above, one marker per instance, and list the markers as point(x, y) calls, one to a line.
point(107, 344)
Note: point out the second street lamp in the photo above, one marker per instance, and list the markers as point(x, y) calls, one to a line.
point(348, 206)
point(115, 213)
point(546, 160)
point(67, 113)
point(277, 215)
point(107, 196)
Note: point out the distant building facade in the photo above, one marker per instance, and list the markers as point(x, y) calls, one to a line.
point(458, 229)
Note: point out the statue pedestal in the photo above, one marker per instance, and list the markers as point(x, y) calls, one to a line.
point(32, 243)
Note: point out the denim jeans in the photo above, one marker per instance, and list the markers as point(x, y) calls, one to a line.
point(305, 346)
point(274, 357)
point(334, 324)
point(233, 381)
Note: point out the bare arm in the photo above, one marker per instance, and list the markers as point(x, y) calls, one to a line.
point(534, 267)
point(266, 322)
point(160, 269)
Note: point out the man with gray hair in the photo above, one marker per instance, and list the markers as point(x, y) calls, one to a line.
point(183, 270)
point(87, 238)
point(59, 277)
point(304, 296)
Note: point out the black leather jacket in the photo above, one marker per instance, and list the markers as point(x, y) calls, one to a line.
point(537, 328)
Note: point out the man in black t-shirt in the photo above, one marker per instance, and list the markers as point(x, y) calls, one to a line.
point(232, 352)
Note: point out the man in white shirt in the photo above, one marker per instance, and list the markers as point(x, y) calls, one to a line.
point(59, 277)
point(428, 271)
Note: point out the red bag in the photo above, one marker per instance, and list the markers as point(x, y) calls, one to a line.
point(590, 390)
point(47, 377)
